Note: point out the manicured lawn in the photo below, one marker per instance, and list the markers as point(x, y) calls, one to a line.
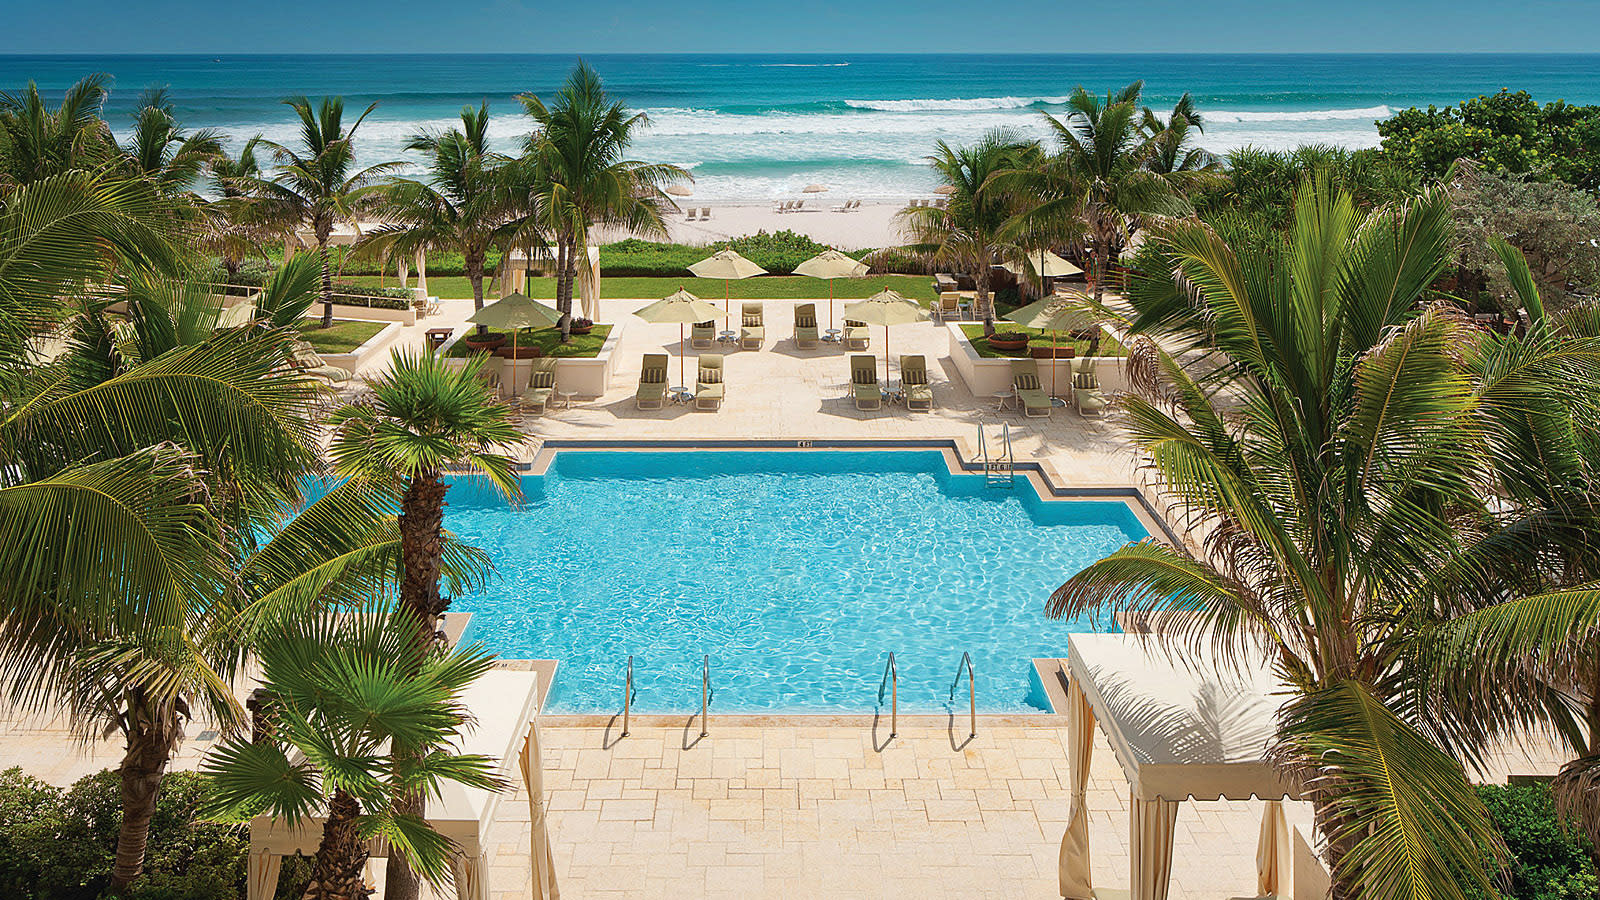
point(548, 340)
point(1109, 346)
point(765, 287)
point(345, 335)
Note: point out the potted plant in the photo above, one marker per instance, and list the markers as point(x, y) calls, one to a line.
point(521, 351)
point(582, 326)
point(1042, 349)
point(1008, 341)
point(489, 341)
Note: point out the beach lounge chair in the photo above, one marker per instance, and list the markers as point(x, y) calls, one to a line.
point(864, 382)
point(708, 386)
point(805, 326)
point(705, 213)
point(753, 330)
point(856, 336)
point(652, 382)
point(541, 386)
point(782, 206)
point(948, 306)
point(1086, 390)
point(855, 206)
point(688, 214)
point(914, 382)
point(306, 360)
point(491, 380)
point(1025, 381)
point(842, 207)
point(701, 334)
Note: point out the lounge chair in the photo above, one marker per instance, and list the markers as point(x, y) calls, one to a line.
point(856, 335)
point(799, 206)
point(708, 387)
point(306, 360)
point(864, 382)
point(491, 380)
point(702, 334)
point(948, 306)
point(541, 386)
point(782, 206)
point(914, 382)
point(753, 330)
point(1025, 381)
point(688, 214)
point(705, 213)
point(805, 326)
point(983, 308)
point(1086, 390)
point(652, 391)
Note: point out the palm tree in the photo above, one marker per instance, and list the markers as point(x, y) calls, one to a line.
point(1097, 176)
point(235, 224)
point(1169, 149)
point(36, 142)
point(359, 724)
point(425, 418)
point(575, 175)
point(466, 201)
point(968, 233)
point(160, 150)
point(1334, 461)
point(318, 183)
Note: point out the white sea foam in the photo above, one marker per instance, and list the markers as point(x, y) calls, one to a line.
point(1369, 113)
point(954, 104)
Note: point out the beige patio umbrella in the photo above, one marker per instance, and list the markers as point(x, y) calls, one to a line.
point(945, 189)
point(544, 868)
point(678, 190)
point(814, 189)
point(1056, 313)
point(831, 264)
point(886, 307)
point(1045, 264)
point(683, 308)
point(516, 312)
point(727, 265)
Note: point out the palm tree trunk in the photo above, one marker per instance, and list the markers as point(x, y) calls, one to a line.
point(327, 283)
point(1327, 823)
point(336, 872)
point(475, 275)
point(152, 737)
point(981, 282)
point(564, 273)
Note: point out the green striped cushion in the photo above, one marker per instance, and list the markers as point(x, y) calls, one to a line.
point(1027, 381)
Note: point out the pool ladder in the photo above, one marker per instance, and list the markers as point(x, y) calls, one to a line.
point(706, 693)
point(891, 683)
point(998, 470)
point(972, 693)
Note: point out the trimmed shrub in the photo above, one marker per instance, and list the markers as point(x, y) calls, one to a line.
point(1548, 861)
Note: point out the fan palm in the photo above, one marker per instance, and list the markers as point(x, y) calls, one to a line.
point(1335, 464)
point(464, 203)
point(574, 175)
point(967, 233)
point(37, 142)
point(359, 723)
point(1096, 177)
point(318, 183)
point(425, 418)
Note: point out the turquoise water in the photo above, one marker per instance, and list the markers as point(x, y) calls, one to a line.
point(753, 127)
point(798, 572)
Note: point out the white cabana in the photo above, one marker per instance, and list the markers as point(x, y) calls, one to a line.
point(1181, 728)
point(514, 275)
point(504, 704)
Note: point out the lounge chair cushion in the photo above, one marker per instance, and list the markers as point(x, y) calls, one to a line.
point(1086, 381)
point(1027, 382)
point(710, 376)
point(538, 396)
point(708, 389)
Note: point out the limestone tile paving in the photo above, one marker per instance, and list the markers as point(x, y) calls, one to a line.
point(802, 809)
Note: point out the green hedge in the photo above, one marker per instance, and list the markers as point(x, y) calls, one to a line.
point(777, 252)
point(60, 844)
point(1548, 861)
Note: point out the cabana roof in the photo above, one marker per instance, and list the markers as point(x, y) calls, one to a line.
point(1182, 726)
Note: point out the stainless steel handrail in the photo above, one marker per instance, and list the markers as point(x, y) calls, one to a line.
point(705, 693)
point(891, 680)
point(627, 697)
point(983, 448)
point(1005, 440)
point(972, 685)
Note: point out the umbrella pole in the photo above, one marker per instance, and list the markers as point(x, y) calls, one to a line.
point(830, 303)
point(682, 359)
point(1053, 335)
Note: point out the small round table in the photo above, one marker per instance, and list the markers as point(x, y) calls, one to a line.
point(1003, 399)
point(680, 394)
point(566, 398)
point(832, 335)
point(727, 337)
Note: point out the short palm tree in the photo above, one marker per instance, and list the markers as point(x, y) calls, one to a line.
point(1097, 176)
point(1170, 146)
point(235, 225)
point(425, 419)
point(465, 203)
point(1334, 465)
point(575, 174)
point(967, 234)
point(161, 150)
point(358, 724)
point(37, 142)
point(317, 183)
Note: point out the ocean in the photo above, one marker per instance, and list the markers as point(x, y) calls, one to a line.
point(758, 127)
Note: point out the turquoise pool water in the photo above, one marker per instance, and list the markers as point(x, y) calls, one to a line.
point(797, 571)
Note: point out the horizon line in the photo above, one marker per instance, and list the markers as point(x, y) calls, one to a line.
point(757, 53)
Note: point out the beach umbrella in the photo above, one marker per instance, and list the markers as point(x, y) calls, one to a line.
point(683, 308)
point(678, 190)
point(831, 264)
point(814, 189)
point(945, 189)
point(1055, 313)
point(727, 265)
point(516, 312)
point(1045, 264)
point(886, 307)
point(544, 868)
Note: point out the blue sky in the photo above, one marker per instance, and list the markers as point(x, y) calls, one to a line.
point(541, 26)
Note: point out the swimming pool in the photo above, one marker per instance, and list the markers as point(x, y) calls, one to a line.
point(797, 571)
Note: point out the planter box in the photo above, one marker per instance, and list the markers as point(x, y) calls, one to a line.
point(1059, 352)
point(374, 345)
point(985, 377)
point(589, 376)
point(369, 313)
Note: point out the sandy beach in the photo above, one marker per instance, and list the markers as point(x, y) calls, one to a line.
point(869, 226)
